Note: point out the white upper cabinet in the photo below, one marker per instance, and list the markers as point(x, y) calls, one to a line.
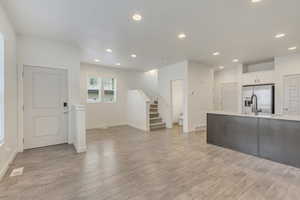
point(254, 78)
point(258, 73)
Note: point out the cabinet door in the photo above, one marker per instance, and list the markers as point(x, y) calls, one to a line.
point(279, 141)
point(291, 95)
point(241, 134)
point(215, 129)
point(265, 77)
point(249, 78)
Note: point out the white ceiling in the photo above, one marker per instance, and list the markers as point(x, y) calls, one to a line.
point(235, 28)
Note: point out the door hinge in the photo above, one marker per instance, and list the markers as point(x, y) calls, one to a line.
point(22, 74)
point(23, 140)
point(23, 107)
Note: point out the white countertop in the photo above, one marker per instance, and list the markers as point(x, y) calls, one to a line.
point(265, 116)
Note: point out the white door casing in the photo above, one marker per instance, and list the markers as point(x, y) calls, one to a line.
point(45, 91)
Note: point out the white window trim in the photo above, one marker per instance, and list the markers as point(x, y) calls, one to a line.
point(2, 89)
point(99, 88)
point(115, 91)
point(101, 93)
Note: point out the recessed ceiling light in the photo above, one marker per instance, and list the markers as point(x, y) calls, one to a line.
point(235, 60)
point(137, 17)
point(97, 60)
point(280, 35)
point(118, 64)
point(216, 53)
point(255, 1)
point(133, 55)
point(221, 67)
point(292, 48)
point(182, 36)
point(109, 50)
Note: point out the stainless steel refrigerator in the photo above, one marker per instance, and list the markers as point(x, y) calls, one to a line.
point(265, 98)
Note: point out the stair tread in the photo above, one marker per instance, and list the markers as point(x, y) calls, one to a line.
point(153, 113)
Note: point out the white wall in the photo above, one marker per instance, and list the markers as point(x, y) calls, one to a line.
point(101, 115)
point(148, 81)
point(177, 99)
point(138, 109)
point(9, 148)
point(167, 74)
point(227, 76)
point(200, 95)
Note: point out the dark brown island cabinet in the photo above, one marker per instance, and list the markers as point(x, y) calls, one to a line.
point(273, 138)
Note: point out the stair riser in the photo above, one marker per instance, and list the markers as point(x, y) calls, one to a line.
point(157, 128)
point(155, 121)
point(153, 110)
point(154, 115)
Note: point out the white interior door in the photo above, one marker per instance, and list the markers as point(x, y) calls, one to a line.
point(291, 99)
point(45, 91)
point(177, 99)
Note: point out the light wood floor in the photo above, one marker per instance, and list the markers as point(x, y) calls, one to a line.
point(124, 163)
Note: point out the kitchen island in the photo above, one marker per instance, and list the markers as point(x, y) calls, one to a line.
point(273, 137)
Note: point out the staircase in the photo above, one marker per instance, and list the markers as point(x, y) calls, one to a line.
point(156, 121)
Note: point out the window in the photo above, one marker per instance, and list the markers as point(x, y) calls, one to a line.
point(94, 90)
point(109, 90)
point(1, 89)
point(101, 90)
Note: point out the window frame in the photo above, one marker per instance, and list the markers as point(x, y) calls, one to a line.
point(98, 87)
point(115, 90)
point(101, 89)
point(2, 89)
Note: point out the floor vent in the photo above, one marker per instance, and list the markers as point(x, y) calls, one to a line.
point(17, 172)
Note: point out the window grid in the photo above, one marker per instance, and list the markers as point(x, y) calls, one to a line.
point(101, 90)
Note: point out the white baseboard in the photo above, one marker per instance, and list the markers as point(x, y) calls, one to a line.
point(106, 126)
point(201, 128)
point(138, 127)
point(80, 149)
point(7, 163)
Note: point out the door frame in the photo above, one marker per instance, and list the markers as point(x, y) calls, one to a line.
point(184, 111)
point(171, 98)
point(20, 141)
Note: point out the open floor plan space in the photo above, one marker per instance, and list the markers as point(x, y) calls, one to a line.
point(149, 100)
point(125, 163)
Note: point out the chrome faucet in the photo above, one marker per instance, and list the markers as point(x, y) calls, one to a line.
point(254, 107)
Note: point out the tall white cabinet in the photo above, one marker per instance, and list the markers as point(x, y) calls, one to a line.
point(291, 91)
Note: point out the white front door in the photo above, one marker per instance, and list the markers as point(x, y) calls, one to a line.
point(45, 91)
